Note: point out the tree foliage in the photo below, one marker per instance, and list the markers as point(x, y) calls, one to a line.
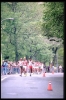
point(53, 19)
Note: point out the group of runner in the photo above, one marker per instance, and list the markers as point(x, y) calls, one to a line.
point(25, 65)
point(22, 66)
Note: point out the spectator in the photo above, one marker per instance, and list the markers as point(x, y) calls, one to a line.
point(5, 67)
point(60, 68)
point(17, 68)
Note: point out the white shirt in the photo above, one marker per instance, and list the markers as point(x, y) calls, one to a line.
point(30, 63)
point(20, 63)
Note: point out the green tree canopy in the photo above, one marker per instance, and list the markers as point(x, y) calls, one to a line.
point(53, 19)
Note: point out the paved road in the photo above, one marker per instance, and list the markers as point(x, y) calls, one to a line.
point(14, 86)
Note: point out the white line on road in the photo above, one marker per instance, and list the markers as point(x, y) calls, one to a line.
point(3, 78)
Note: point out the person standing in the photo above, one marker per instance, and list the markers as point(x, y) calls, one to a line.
point(5, 67)
point(9, 68)
point(60, 68)
point(17, 68)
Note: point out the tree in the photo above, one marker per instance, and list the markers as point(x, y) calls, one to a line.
point(13, 25)
point(53, 19)
point(53, 24)
point(23, 36)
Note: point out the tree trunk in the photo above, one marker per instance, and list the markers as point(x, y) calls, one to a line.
point(15, 44)
point(54, 58)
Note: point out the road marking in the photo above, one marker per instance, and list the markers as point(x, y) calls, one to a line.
point(3, 78)
point(6, 77)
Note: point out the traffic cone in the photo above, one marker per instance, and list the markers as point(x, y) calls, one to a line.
point(44, 74)
point(50, 87)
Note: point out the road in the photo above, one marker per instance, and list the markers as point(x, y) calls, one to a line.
point(35, 86)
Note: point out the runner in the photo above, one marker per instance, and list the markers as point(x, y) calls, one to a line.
point(25, 65)
point(20, 63)
point(30, 66)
